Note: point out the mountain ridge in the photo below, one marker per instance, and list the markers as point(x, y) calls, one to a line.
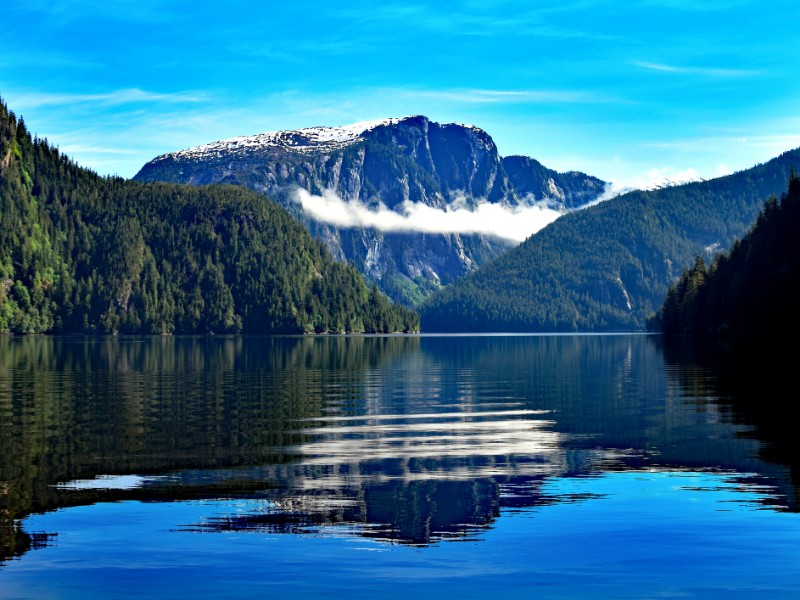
point(607, 267)
point(314, 138)
point(386, 164)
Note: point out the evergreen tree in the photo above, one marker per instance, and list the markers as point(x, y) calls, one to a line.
point(750, 292)
point(83, 253)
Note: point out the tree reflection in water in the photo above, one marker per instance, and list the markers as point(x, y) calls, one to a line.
point(410, 439)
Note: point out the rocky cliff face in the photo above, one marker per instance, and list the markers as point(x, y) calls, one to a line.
point(531, 179)
point(388, 166)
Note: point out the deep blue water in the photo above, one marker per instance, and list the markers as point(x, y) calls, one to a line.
point(424, 466)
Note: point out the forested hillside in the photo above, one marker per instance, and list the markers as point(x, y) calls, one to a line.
point(83, 253)
point(607, 267)
point(751, 291)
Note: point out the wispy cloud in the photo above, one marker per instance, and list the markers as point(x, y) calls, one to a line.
point(72, 149)
point(488, 96)
point(65, 12)
point(54, 60)
point(773, 142)
point(653, 179)
point(479, 19)
point(513, 223)
point(114, 98)
point(302, 48)
point(694, 6)
point(659, 177)
point(705, 71)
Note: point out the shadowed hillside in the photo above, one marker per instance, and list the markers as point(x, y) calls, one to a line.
point(607, 267)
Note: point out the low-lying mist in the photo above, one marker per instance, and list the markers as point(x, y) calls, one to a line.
point(513, 223)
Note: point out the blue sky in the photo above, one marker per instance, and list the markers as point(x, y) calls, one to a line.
point(626, 91)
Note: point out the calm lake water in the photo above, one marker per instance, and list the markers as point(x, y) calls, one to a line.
point(576, 466)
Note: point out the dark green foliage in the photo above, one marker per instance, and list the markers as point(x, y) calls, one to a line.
point(82, 253)
point(749, 292)
point(607, 267)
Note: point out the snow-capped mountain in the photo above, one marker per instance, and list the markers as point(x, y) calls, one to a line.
point(309, 139)
point(414, 204)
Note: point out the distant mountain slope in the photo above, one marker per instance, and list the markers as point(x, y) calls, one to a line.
point(608, 266)
point(751, 291)
point(386, 167)
point(531, 179)
point(81, 253)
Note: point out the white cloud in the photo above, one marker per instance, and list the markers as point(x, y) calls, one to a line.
point(116, 97)
point(659, 177)
point(723, 170)
point(655, 178)
point(774, 143)
point(514, 223)
point(488, 96)
point(77, 148)
point(707, 71)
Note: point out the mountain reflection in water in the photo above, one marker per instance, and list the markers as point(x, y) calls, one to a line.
point(412, 439)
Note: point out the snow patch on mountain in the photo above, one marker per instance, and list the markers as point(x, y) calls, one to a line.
point(308, 139)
